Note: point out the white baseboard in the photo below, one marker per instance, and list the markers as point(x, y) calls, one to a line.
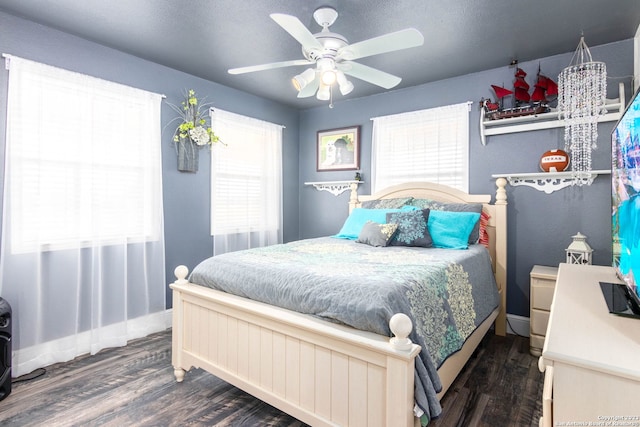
point(517, 325)
point(28, 359)
point(168, 317)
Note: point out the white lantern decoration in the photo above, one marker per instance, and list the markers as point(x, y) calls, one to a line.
point(579, 251)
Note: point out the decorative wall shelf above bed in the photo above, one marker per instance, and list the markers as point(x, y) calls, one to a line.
point(552, 181)
point(333, 187)
point(550, 120)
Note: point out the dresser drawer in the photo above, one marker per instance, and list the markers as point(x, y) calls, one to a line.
point(539, 320)
point(542, 285)
point(542, 293)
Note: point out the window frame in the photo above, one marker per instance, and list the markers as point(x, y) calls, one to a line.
point(40, 167)
point(416, 130)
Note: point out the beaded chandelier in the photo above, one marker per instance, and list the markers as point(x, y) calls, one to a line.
point(582, 89)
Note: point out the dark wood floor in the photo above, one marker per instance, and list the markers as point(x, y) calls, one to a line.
point(500, 386)
point(135, 386)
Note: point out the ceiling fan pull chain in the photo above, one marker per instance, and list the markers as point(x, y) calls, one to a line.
point(331, 96)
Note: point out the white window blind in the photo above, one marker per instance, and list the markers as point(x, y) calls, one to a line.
point(427, 145)
point(246, 182)
point(84, 159)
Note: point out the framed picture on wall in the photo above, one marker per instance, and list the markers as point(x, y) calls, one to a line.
point(339, 149)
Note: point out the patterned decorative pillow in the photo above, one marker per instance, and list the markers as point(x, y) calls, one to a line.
point(435, 205)
point(374, 234)
point(395, 203)
point(412, 228)
point(484, 235)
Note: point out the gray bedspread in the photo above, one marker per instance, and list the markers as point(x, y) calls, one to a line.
point(447, 293)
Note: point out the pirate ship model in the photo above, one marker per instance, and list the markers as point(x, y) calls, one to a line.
point(525, 104)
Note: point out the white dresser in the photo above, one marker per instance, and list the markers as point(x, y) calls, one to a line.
point(542, 283)
point(591, 358)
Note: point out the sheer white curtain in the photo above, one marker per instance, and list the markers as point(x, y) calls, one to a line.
point(82, 261)
point(427, 145)
point(246, 183)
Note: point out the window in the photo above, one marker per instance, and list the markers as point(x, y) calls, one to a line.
point(84, 159)
point(82, 218)
point(427, 145)
point(246, 183)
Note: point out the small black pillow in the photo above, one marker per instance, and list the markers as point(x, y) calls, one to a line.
point(374, 234)
point(412, 228)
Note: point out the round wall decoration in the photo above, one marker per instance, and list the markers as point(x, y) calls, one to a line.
point(554, 161)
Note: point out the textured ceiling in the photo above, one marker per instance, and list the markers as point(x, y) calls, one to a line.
point(207, 37)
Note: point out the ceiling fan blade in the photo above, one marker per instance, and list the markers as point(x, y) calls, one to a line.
point(368, 74)
point(298, 31)
point(399, 40)
point(310, 89)
point(269, 66)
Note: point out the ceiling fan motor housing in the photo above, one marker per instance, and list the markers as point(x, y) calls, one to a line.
point(331, 43)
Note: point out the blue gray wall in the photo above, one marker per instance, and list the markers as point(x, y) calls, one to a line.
point(186, 195)
point(540, 225)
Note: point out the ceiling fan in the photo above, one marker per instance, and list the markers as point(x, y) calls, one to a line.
point(333, 56)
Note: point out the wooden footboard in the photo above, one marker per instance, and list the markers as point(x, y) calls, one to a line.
point(321, 373)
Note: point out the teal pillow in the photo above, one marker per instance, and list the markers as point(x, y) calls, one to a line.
point(451, 229)
point(435, 205)
point(358, 217)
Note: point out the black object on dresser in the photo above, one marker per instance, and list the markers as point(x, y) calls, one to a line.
point(5, 348)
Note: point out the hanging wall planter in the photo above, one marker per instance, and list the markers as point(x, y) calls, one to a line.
point(188, 155)
point(192, 133)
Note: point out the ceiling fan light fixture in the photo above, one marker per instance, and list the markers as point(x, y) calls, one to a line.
point(303, 79)
point(324, 93)
point(327, 68)
point(328, 77)
point(345, 85)
point(346, 88)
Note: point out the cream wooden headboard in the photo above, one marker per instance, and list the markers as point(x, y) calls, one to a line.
point(496, 228)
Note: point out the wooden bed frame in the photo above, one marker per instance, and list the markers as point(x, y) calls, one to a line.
point(322, 373)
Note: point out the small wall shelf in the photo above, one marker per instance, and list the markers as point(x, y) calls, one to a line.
point(552, 181)
point(333, 187)
point(615, 108)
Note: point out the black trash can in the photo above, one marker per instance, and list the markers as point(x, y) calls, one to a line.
point(5, 348)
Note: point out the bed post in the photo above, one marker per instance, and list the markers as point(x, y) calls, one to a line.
point(501, 253)
point(353, 198)
point(400, 373)
point(180, 272)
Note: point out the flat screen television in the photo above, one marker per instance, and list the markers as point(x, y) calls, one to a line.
point(625, 212)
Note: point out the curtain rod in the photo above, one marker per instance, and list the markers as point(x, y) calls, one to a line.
point(212, 110)
point(8, 58)
point(469, 103)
